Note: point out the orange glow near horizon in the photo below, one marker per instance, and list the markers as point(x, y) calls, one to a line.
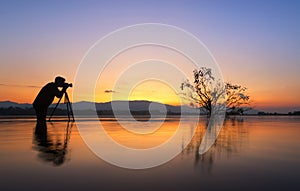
point(155, 91)
point(18, 94)
point(159, 92)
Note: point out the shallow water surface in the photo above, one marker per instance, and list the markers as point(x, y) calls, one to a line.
point(251, 153)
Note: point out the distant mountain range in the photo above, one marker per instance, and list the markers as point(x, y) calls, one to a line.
point(121, 107)
point(7, 104)
point(136, 107)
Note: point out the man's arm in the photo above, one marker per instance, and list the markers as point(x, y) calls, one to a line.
point(59, 94)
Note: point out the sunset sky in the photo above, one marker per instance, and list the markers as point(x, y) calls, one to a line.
point(255, 43)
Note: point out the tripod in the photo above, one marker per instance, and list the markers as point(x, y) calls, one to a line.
point(69, 108)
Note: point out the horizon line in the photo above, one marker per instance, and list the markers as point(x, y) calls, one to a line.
point(258, 108)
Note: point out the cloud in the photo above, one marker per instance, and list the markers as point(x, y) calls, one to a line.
point(109, 91)
point(15, 85)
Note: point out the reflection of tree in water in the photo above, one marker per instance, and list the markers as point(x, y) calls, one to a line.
point(231, 139)
point(52, 146)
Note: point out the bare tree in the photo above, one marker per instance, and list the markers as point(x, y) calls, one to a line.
point(237, 98)
point(207, 92)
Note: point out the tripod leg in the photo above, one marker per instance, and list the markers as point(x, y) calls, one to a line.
point(69, 107)
point(72, 114)
point(68, 112)
point(71, 111)
point(54, 109)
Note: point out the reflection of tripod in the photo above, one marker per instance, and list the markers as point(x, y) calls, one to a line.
point(69, 108)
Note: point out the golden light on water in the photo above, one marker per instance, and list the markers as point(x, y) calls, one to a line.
point(140, 141)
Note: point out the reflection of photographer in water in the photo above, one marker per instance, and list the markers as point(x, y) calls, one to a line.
point(52, 147)
point(46, 97)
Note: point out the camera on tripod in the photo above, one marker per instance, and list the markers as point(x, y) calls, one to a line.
point(67, 102)
point(67, 85)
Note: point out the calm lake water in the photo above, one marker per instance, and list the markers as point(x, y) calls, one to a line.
point(251, 153)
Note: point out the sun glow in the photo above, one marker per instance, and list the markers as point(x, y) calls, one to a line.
point(154, 90)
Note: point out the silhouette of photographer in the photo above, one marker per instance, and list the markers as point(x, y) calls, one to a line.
point(46, 96)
